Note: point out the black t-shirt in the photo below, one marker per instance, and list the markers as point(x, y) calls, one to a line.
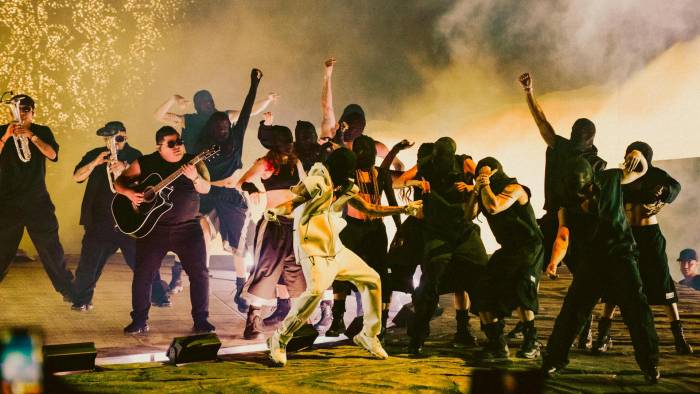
point(604, 231)
point(516, 226)
point(191, 133)
point(184, 197)
point(24, 181)
point(98, 196)
point(556, 158)
point(643, 190)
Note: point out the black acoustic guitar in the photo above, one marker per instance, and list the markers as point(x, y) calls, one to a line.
point(139, 221)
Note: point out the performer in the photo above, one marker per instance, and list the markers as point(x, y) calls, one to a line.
point(454, 255)
point(24, 199)
point(363, 234)
point(191, 126)
point(688, 260)
point(177, 230)
point(559, 150)
point(644, 198)
point(593, 228)
point(351, 123)
point(326, 191)
point(511, 278)
point(277, 277)
point(101, 238)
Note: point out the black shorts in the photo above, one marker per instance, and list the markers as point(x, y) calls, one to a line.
point(511, 280)
point(406, 254)
point(231, 210)
point(653, 265)
point(275, 263)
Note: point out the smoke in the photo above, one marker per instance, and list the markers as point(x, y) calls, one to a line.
point(420, 70)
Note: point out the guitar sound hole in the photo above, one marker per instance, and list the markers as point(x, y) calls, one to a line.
point(148, 195)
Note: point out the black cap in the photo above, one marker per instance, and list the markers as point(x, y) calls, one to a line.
point(688, 254)
point(24, 100)
point(116, 126)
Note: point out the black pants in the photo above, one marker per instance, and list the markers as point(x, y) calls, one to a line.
point(187, 241)
point(449, 266)
point(368, 239)
point(619, 278)
point(39, 217)
point(653, 265)
point(100, 242)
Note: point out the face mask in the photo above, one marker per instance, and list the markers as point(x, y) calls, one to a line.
point(642, 147)
point(582, 134)
point(578, 182)
point(366, 151)
point(341, 166)
point(354, 117)
point(444, 155)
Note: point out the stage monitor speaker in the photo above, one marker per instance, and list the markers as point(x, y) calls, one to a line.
point(303, 338)
point(194, 348)
point(69, 357)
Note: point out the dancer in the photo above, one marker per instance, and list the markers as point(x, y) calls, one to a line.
point(593, 228)
point(644, 198)
point(276, 277)
point(24, 199)
point(177, 230)
point(191, 125)
point(363, 234)
point(326, 191)
point(559, 150)
point(351, 123)
point(511, 278)
point(101, 238)
point(454, 253)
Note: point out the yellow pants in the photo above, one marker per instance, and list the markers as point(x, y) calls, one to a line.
point(320, 272)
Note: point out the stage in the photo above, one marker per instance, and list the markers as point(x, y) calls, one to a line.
point(28, 300)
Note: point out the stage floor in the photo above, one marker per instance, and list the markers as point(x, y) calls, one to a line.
point(27, 298)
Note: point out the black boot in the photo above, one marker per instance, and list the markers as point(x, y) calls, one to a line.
point(241, 303)
point(283, 307)
point(464, 338)
point(338, 325)
point(326, 319)
point(682, 346)
point(415, 347)
point(585, 338)
point(651, 374)
point(604, 342)
point(516, 332)
point(530, 348)
point(253, 325)
point(496, 348)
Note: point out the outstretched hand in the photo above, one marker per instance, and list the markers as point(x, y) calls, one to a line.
point(525, 81)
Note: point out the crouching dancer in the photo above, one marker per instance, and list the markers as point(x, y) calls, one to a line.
point(326, 190)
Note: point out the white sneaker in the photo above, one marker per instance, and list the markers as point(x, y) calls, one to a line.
point(371, 344)
point(277, 351)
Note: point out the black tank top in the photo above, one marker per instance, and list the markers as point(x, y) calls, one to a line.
point(184, 197)
point(286, 177)
point(516, 226)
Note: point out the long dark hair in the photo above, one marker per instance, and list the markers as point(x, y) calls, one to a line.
point(275, 159)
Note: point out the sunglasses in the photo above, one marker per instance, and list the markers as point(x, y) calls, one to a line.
point(120, 138)
point(25, 108)
point(173, 143)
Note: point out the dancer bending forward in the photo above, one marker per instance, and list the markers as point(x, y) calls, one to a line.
point(323, 258)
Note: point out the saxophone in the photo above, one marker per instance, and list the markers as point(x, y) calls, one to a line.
point(21, 142)
point(111, 138)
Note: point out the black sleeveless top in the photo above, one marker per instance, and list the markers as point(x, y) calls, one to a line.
point(286, 177)
point(184, 197)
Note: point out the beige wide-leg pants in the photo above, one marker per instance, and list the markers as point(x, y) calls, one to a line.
point(320, 272)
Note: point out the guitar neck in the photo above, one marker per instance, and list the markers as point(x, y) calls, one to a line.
point(172, 177)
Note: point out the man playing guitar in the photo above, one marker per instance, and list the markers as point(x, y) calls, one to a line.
point(177, 230)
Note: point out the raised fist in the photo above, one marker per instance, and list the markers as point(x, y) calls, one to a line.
point(404, 144)
point(256, 74)
point(329, 63)
point(525, 81)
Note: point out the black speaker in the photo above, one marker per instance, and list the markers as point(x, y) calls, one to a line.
point(194, 348)
point(303, 338)
point(69, 357)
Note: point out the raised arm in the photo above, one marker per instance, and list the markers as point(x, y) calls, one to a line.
point(546, 129)
point(635, 167)
point(560, 246)
point(391, 155)
point(258, 107)
point(163, 115)
point(383, 151)
point(328, 121)
point(238, 131)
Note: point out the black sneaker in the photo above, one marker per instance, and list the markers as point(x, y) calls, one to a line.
point(166, 303)
point(652, 375)
point(465, 340)
point(337, 327)
point(136, 328)
point(602, 345)
point(203, 327)
point(516, 332)
point(415, 348)
point(81, 307)
point(550, 370)
point(529, 350)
